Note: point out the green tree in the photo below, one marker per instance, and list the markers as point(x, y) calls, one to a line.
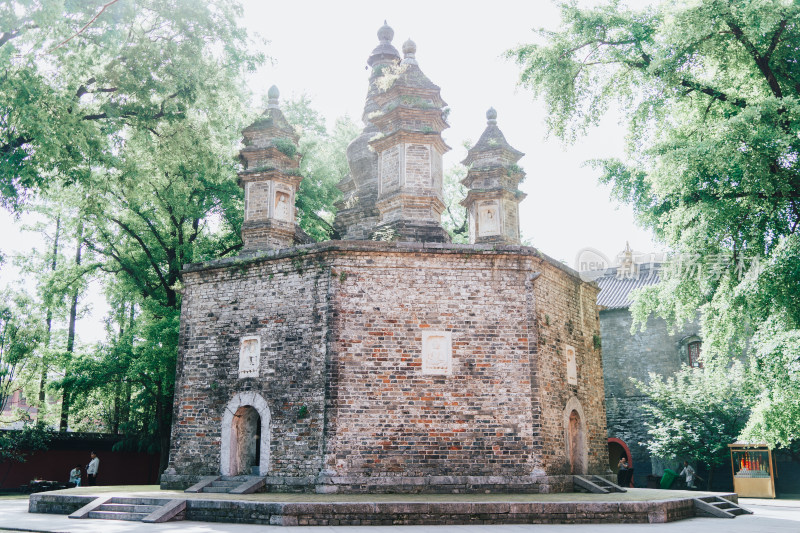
point(15, 445)
point(454, 217)
point(695, 414)
point(138, 106)
point(324, 164)
point(20, 334)
point(711, 91)
point(78, 77)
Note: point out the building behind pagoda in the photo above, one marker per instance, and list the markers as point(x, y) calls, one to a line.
point(390, 360)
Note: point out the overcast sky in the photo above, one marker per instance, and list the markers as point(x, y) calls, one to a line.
point(320, 49)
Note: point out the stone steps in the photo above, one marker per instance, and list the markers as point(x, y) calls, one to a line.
point(229, 485)
point(606, 484)
point(225, 483)
point(217, 490)
point(132, 509)
point(585, 484)
point(128, 508)
point(115, 515)
point(718, 507)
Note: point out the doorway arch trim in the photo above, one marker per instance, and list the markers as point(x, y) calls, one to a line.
point(243, 399)
point(624, 447)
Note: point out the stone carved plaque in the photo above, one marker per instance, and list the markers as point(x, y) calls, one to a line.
point(572, 366)
point(249, 357)
point(437, 352)
point(488, 218)
point(283, 210)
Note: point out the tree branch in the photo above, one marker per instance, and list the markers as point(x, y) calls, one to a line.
point(762, 62)
point(775, 39)
point(13, 144)
point(65, 41)
point(145, 249)
point(714, 93)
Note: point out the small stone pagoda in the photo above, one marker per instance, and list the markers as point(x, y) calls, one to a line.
point(389, 359)
point(493, 183)
point(270, 177)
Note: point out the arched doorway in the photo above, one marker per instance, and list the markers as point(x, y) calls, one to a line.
point(244, 440)
point(245, 436)
point(576, 444)
point(617, 449)
point(575, 437)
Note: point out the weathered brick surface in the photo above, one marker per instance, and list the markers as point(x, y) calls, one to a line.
point(657, 349)
point(341, 326)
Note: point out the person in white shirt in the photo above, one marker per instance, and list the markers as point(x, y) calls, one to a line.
point(690, 474)
point(75, 475)
point(91, 470)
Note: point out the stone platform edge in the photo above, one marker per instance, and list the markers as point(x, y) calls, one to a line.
point(404, 513)
point(325, 484)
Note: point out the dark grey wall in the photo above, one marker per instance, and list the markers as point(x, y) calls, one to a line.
point(625, 356)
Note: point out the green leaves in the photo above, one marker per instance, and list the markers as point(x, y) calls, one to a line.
point(324, 164)
point(79, 79)
point(16, 445)
point(20, 334)
point(710, 91)
point(695, 414)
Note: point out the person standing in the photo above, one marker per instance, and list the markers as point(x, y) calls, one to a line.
point(690, 474)
point(75, 475)
point(91, 470)
point(622, 472)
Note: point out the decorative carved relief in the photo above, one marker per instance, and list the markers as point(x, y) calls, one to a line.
point(488, 218)
point(249, 357)
point(437, 352)
point(572, 365)
point(283, 210)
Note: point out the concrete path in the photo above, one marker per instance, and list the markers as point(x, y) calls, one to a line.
point(771, 516)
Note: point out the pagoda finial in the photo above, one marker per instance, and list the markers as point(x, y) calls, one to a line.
point(409, 51)
point(272, 95)
point(385, 33)
point(384, 52)
point(491, 116)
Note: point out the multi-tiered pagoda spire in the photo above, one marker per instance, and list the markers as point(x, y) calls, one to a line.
point(493, 183)
point(409, 145)
point(270, 178)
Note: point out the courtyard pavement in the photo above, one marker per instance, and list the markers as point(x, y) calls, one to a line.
point(770, 516)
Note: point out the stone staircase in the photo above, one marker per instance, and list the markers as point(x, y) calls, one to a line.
point(595, 484)
point(148, 510)
point(228, 484)
point(718, 507)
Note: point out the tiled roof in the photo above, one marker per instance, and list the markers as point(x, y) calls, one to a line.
point(615, 290)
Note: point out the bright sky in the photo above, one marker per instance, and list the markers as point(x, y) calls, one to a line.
point(320, 48)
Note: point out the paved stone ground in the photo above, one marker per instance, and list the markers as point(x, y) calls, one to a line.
point(771, 516)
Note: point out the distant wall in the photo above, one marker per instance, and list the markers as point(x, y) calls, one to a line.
point(70, 449)
point(625, 356)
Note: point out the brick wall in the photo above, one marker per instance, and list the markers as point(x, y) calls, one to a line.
point(341, 327)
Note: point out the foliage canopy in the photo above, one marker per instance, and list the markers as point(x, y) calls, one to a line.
point(711, 92)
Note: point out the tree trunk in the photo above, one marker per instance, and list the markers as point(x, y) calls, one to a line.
point(53, 265)
point(163, 440)
point(710, 477)
point(73, 313)
point(118, 385)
